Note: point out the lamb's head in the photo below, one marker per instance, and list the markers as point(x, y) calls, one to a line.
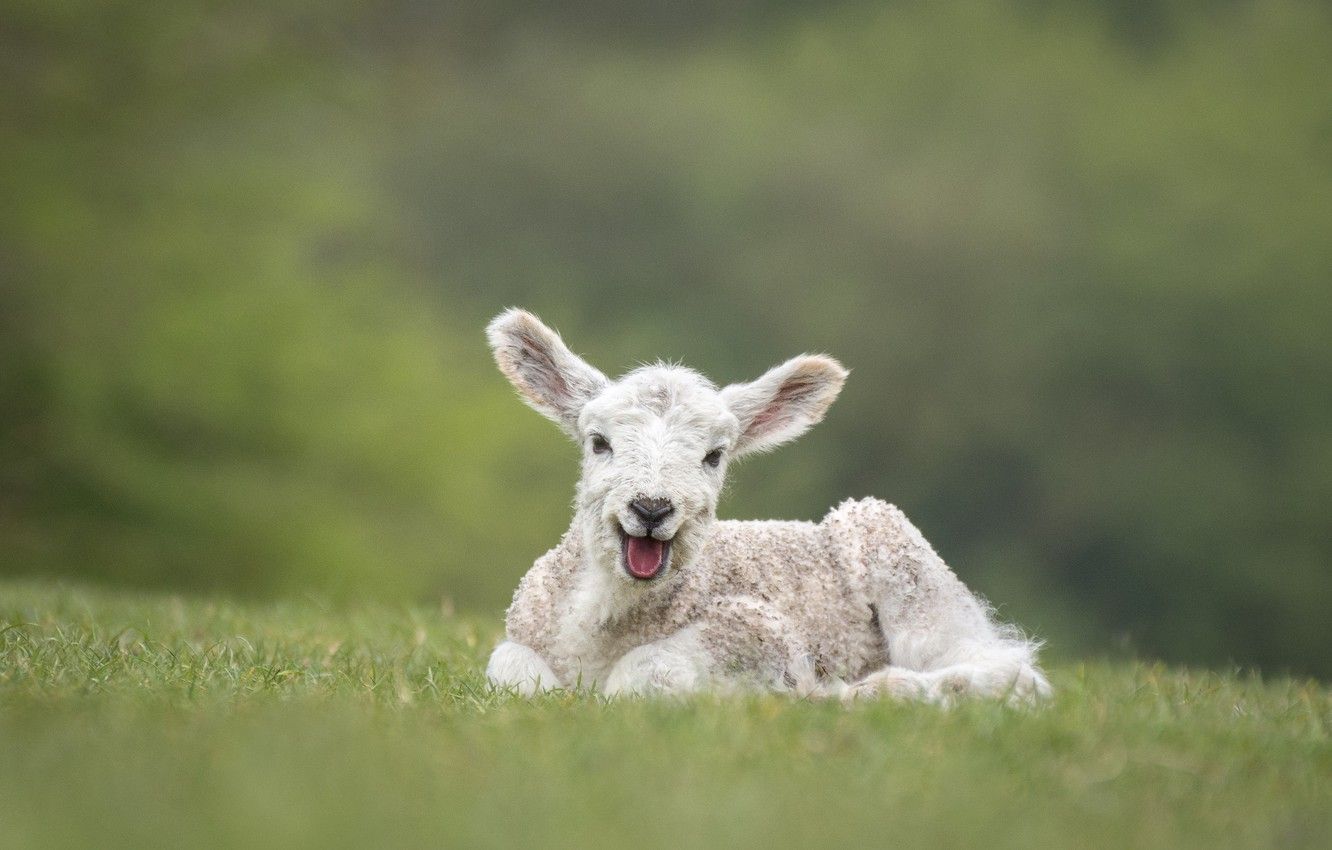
point(656, 443)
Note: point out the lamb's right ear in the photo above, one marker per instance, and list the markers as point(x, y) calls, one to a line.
point(551, 378)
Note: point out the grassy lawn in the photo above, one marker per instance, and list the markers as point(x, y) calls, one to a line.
point(133, 720)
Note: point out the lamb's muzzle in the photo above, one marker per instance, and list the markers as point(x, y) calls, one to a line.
point(652, 511)
point(649, 593)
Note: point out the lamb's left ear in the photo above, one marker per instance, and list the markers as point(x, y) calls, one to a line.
point(785, 402)
point(551, 379)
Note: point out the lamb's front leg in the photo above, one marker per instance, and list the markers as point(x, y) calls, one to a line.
point(513, 665)
point(674, 665)
point(743, 644)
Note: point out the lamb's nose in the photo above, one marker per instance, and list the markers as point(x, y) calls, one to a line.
point(652, 511)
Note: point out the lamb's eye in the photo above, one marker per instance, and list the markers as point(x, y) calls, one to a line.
point(713, 458)
point(600, 445)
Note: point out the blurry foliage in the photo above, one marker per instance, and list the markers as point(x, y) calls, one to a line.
point(1075, 253)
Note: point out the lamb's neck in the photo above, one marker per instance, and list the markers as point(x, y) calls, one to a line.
point(602, 594)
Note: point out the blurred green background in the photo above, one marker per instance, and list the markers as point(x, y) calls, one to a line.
point(1076, 253)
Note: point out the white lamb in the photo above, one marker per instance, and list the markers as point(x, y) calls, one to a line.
point(649, 593)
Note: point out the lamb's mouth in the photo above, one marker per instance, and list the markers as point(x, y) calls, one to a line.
point(644, 558)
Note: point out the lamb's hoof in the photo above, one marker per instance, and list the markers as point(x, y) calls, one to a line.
point(893, 684)
point(1029, 687)
point(1023, 686)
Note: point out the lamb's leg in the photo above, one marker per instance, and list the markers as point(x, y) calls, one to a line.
point(1018, 681)
point(513, 665)
point(744, 644)
point(941, 639)
point(945, 646)
point(674, 665)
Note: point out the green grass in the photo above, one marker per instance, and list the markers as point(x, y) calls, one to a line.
point(128, 720)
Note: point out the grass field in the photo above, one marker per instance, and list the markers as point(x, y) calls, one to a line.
point(132, 720)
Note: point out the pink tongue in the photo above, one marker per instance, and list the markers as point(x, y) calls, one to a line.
point(645, 555)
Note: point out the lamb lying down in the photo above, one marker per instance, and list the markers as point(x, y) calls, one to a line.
point(649, 593)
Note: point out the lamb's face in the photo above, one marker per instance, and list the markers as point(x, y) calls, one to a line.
point(655, 449)
point(656, 443)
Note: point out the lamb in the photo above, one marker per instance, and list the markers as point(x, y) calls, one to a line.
point(649, 593)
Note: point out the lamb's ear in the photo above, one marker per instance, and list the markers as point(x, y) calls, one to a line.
point(551, 378)
point(785, 402)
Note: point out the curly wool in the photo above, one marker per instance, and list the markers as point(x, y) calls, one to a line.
point(773, 600)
